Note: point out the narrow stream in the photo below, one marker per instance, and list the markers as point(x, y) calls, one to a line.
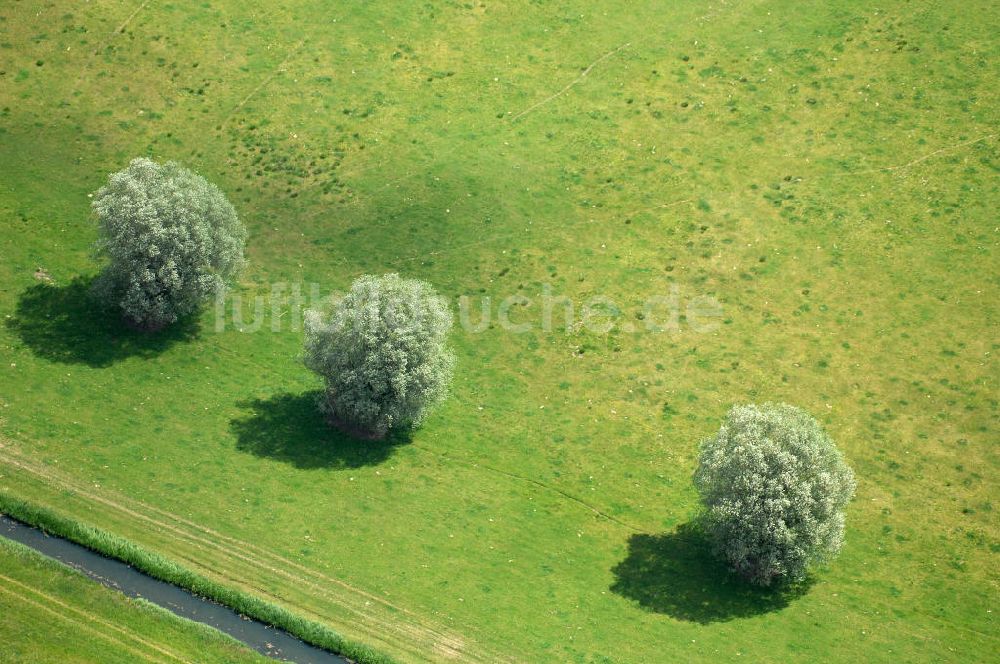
point(263, 638)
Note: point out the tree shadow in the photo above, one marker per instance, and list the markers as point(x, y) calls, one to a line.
point(290, 428)
point(676, 574)
point(65, 324)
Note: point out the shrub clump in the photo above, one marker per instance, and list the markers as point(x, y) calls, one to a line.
point(773, 488)
point(171, 239)
point(382, 352)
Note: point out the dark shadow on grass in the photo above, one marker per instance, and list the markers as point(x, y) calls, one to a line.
point(675, 574)
point(290, 428)
point(65, 324)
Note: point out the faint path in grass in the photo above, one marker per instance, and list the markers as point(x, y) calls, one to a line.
point(83, 619)
point(460, 146)
point(538, 483)
point(124, 24)
point(929, 155)
point(409, 632)
point(475, 464)
point(503, 126)
point(566, 89)
point(415, 630)
point(701, 19)
point(812, 180)
point(107, 40)
point(84, 624)
point(275, 71)
point(222, 550)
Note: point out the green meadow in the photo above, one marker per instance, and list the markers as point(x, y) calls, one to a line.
point(827, 172)
point(53, 614)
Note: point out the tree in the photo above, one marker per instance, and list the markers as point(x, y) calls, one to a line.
point(171, 239)
point(382, 352)
point(773, 489)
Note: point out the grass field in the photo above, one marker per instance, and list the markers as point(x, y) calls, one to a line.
point(827, 172)
point(52, 614)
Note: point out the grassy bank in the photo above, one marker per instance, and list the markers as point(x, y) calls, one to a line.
point(160, 568)
point(52, 613)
